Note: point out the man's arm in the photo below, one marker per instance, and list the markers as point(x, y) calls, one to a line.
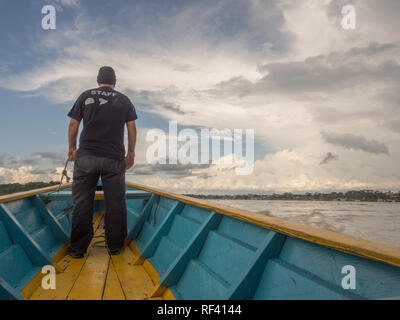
point(72, 137)
point(130, 157)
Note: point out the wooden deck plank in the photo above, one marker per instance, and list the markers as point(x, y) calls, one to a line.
point(66, 279)
point(113, 289)
point(91, 280)
point(135, 281)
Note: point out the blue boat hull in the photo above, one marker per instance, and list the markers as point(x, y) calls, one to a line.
point(197, 251)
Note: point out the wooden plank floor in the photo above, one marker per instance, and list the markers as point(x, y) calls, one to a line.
point(99, 276)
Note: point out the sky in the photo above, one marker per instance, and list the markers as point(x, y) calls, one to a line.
point(323, 101)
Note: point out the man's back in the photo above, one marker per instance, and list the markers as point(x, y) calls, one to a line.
point(104, 112)
point(101, 155)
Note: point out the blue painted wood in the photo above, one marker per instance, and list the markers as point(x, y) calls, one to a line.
point(282, 281)
point(14, 265)
point(165, 255)
point(374, 280)
point(5, 241)
point(19, 236)
point(7, 292)
point(67, 195)
point(151, 246)
point(269, 248)
point(59, 232)
point(218, 249)
point(198, 254)
point(191, 251)
point(183, 229)
point(248, 233)
point(199, 282)
point(132, 234)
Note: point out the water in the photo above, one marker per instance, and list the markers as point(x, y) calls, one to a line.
point(374, 221)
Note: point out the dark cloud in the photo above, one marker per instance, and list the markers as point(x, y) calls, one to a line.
point(237, 86)
point(181, 170)
point(38, 171)
point(56, 158)
point(184, 68)
point(350, 141)
point(328, 158)
point(174, 108)
point(156, 99)
point(320, 74)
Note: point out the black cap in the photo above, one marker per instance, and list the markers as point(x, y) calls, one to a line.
point(106, 76)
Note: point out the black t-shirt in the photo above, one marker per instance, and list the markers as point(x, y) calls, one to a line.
point(104, 112)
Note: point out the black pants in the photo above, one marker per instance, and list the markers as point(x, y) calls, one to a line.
point(87, 170)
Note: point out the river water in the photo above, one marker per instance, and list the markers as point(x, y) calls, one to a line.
point(374, 221)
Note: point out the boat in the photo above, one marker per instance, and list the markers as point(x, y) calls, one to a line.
point(182, 248)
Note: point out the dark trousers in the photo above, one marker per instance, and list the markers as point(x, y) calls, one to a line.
point(87, 170)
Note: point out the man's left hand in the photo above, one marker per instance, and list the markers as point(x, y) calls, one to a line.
point(130, 160)
point(71, 154)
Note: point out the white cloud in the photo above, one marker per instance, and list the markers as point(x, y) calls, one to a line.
point(309, 76)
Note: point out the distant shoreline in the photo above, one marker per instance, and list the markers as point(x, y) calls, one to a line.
point(350, 196)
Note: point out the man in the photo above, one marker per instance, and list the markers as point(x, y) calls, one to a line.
point(101, 153)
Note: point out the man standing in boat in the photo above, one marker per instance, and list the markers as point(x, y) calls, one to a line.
point(101, 153)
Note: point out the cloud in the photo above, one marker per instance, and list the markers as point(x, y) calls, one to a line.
point(3, 156)
point(335, 71)
point(181, 170)
point(350, 141)
point(328, 158)
point(56, 158)
point(283, 68)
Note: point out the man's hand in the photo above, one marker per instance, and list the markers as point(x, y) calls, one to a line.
point(72, 135)
point(130, 160)
point(130, 157)
point(71, 154)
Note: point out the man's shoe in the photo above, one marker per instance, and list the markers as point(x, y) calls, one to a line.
point(75, 255)
point(115, 252)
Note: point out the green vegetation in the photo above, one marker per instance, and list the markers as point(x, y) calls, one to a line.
point(17, 187)
point(361, 195)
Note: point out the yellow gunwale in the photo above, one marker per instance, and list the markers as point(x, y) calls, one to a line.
point(340, 242)
point(25, 194)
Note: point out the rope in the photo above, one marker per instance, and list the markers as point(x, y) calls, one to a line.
point(155, 213)
point(98, 243)
point(64, 173)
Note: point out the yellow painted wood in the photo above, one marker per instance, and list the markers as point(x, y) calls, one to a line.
point(168, 295)
point(91, 280)
point(135, 282)
point(97, 218)
point(113, 289)
point(135, 249)
point(137, 261)
point(152, 272)
point(33, 285)
point(66, 280)
point(60, 253)
point(334, 240)
point(158, 291)
point(26, 194)
point(99, 195)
